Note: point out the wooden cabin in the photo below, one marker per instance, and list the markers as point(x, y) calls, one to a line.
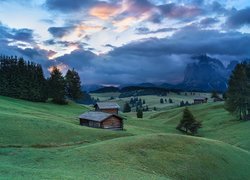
point(200, 100)
point(103, 120)
point(218, 99)
point(107, 107)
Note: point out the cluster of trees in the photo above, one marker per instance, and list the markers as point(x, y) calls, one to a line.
point(182, 103)
point(238, 93)
point(61, 88)
point(137, 102)
point(139, 111)
point(22, 80)
point(170, 101)
point(25, 80)
point(188, 124)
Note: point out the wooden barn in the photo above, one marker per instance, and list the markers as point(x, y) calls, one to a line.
point(200, 100)
point(101, 120)
point(218, 99)
point(108, 107)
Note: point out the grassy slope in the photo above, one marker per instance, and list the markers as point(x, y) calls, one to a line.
point(25, 123)
point(153, 100)
point(141, 157)
point(152, 153)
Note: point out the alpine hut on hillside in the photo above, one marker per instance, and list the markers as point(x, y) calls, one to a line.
point(200, 100)
point(101, 120)
point(108, 107)
point(105, 116)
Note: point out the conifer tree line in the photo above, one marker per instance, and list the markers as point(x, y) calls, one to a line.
point(238, 93)
point(25, 80)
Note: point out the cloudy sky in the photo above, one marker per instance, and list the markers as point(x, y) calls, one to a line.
point(124, 41)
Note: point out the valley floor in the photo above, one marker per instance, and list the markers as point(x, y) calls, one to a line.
point(44, 141)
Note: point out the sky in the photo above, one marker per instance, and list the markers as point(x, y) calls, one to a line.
point(124, 41)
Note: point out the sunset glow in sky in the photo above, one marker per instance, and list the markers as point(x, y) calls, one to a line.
point(124, 41)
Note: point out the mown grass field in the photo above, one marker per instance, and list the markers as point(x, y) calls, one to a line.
point(44, 141)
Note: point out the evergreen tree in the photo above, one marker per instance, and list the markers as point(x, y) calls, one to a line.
point(187, 103)
point(170, 100)
point(214, 94)
point(161, 101)
point(21, 79)
point(126, 108)
point(57, 86)
point(182, 103)
point(188, 122)
point(73, 85)
point(238, 92)
point(139, 113)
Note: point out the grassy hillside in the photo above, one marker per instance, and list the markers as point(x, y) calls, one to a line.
point(25, 123)
point(44, 141)
point(157, 156)
point(154, 100)
point(217, 123)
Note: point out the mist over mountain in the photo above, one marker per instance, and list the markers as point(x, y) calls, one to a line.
point(206, 74)
point(203, 74)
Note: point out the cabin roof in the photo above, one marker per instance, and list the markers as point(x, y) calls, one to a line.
point(97, 116)
point(107, 105)
point(200, 98)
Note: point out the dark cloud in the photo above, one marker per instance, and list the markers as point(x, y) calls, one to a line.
point(144, 30)
point(239, 18)
point(156, 60)
point(124, 67)
point(207, 22)
point(77, 44)
point(191, 40)
point(19, 38)
point(78, 59)
point(175, 11)
point(217, 8)
point(24, 35)
point(69, 5)
point(59, 32)
point(110, 46)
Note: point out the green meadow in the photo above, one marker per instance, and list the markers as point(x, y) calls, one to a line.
point(45, 141)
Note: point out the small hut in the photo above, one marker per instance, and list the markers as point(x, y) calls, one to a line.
point(107, 107)
point(200, 100)
point(101, 120)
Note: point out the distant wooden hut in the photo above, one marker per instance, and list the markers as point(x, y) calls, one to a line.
point(218, 99)
point(108, 107)
point(200, 100)
point(101, 120)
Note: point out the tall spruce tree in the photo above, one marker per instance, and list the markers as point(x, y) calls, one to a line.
point(139, 113)
point(238, 91)
point(214, 94)
point(73, 85)
point(57, 87)
point(188, 122)
point(126, 108)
